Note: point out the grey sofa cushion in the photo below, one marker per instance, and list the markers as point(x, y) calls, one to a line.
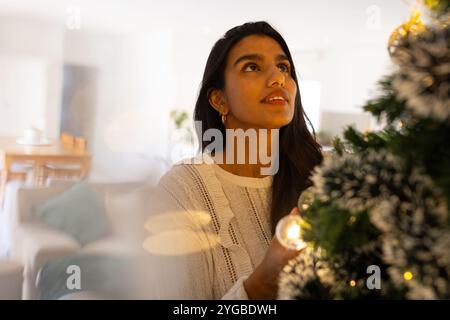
point(78, 211)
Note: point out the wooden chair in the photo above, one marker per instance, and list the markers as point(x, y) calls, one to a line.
point(80, 143)
point(17, 172)
point(67, 140)
point(67, 171)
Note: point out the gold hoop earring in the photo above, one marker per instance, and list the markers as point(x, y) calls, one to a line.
point(224, 118)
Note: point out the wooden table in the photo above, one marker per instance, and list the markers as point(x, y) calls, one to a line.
point(38, 157)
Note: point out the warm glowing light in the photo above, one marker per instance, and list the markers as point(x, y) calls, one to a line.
point(352, 283)
point(407, 275)
point(166, 222)
point(352, 220)
point(179, 243)
point(289, 232)
point(293, 232)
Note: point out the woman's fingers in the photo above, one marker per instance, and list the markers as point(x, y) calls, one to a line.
point(295, 211)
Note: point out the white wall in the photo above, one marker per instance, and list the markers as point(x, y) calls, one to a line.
point(30, 81)
point(135, 95)
point(23, 84)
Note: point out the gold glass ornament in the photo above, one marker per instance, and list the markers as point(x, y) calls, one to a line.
point(411, 27)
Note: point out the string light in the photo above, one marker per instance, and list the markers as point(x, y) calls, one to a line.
point(352, 283)
point(352, 220)
point(289, 232)
point(289, 229)
point(408, 275)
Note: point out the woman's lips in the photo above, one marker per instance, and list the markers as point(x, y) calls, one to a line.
point(277, 97)
point(276, 102)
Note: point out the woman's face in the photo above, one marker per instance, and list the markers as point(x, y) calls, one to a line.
point(259, 90)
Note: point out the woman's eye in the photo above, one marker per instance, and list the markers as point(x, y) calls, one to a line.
point(284, 67)
point(251, 67)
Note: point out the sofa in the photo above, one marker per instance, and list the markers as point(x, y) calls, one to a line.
point(11, 280)
point(35, 243)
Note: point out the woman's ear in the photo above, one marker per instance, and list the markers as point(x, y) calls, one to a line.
point(217, 101)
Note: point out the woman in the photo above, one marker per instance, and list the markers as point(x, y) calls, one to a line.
point(219, 219)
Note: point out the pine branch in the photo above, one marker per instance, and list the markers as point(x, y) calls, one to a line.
point(387, 104)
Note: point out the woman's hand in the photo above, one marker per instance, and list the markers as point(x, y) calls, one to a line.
point(262, 284)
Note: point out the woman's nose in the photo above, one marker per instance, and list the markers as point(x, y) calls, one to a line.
point(276, 77)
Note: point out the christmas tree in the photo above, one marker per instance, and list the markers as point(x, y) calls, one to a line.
point(378, 225)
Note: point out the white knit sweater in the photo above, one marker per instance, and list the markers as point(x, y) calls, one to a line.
point(209, 229)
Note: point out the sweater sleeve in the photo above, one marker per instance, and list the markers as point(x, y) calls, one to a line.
point(178, 251)
point(237, 291)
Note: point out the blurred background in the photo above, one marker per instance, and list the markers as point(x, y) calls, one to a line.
point(125, 74)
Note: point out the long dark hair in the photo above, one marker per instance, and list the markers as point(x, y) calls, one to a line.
point(299, 151)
